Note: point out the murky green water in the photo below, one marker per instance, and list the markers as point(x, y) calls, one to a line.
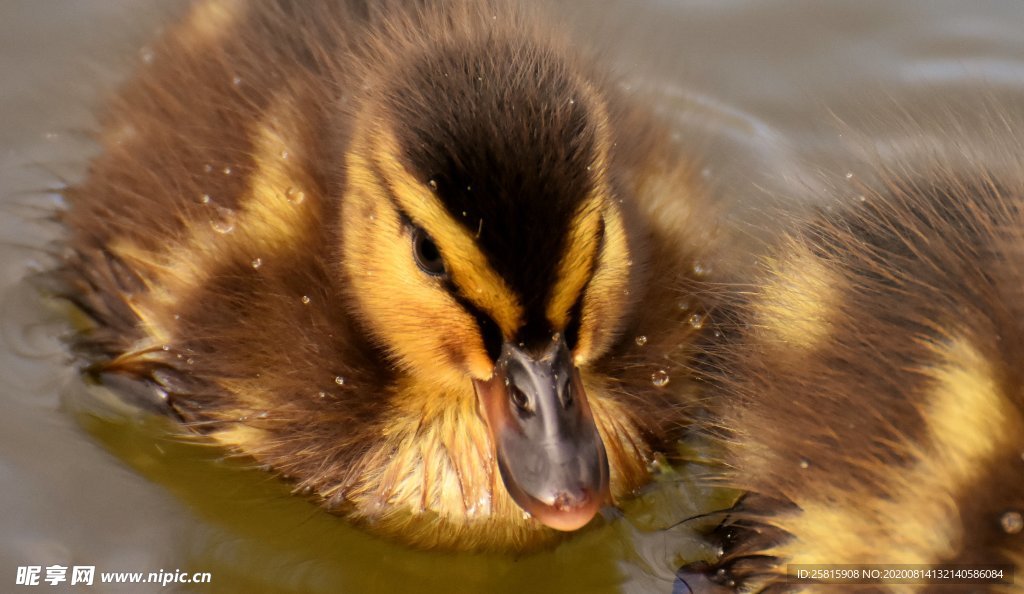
point(764, 92)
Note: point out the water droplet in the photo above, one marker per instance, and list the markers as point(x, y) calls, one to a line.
point(295, 195)
point(165, 347)
point(684, 305)
point(697, 321)
point(205, 199)
point(572, 101)
point(527, 515)
point(432, 184)
point(660, 378)
point(257, 262)
point(285, 155)
point(263, 415)
point(1012, 522)
point(226, 170)
point(804, 464)
point(849, 175)
point(469, 188)
point(641, 340)
point(305, 299)
point(237, 80)
point(147, 54)
point(321, 394)
point(339, 380)
point(224, 222)
point(700, 269)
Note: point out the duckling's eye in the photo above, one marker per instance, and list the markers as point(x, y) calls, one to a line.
point(425, 251)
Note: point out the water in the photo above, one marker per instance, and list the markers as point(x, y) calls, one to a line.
point(766, 95)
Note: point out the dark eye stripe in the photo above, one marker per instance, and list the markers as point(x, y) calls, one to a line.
point(572, 329)
point(490, 333)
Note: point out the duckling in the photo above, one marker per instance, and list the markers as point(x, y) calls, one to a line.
point(871, 402)
point(422, 260)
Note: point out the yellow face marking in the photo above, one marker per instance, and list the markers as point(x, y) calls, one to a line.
point(466, 264)
point(605, 301)
point(795, 304)
point(575, 268)
point(605, 277)
point(969, 422)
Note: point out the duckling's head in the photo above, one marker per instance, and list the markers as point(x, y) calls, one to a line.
point(484, 250)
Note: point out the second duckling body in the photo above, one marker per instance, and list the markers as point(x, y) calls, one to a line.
point(871, 401)
point(396, 253)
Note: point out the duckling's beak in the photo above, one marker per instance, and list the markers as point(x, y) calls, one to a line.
point(549, 452)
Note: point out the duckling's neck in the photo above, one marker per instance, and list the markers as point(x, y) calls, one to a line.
point(435, 464)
